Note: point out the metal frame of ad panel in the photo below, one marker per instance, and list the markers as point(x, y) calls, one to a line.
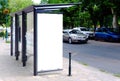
point(49, 41)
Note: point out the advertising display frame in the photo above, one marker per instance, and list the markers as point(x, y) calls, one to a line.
point(38, 9)
point(49, 32)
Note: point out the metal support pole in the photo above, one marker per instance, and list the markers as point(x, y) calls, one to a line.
point(35, 42)
point(24, 27)
point(11, 51)
point(69, 68)
point(16, 38)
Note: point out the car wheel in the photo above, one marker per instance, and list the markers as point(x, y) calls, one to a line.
point(110, 39)
point(85, 42)
point(96, 39)
point(70, 41)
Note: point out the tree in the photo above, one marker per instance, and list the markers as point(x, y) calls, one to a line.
point(3, 12)
point(114, 5)
point(105, 9)
point(99, 12)
point(71, 15)
point(16, 5)
point(12, 6)
point(44, 1)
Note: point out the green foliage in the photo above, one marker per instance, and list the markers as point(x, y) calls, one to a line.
point(85, 19)
point(1, 34)
point(89, 13)
point(117, 75)
point(12, 6)
point(16, 5)
point(8, 41)
point(44, 1)
point(2, 15)
point(100, 10)
point(71, 15)
point(54, 1)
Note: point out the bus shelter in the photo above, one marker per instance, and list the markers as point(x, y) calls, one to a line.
point(37, 30)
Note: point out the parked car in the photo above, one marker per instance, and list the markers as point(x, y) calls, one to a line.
point(9, 31)
point(1, 29)
point(4, 30)
point(85, 31)
point(107, 34)
point(72, 35)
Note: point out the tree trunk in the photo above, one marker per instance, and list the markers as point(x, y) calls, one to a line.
point(101, 20)
point(115, 20)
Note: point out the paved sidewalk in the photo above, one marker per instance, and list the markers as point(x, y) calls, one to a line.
point(12, 70)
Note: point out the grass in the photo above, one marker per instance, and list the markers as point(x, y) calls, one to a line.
point(7, 41)
point(117, 75)
point(102, 70)
point(84, 64)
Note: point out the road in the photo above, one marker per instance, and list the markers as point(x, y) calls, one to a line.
point(102, 55)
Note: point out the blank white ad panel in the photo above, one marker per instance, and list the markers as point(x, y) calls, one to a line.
point(49, 40)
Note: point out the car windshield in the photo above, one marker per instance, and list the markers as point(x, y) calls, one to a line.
point(75, 32)
point(115, 30)
point(84, 29)
point(105, 30)
point(78, 32)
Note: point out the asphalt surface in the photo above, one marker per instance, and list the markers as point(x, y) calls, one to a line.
point(102, 55)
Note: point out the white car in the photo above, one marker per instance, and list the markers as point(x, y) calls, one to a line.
point(9, 31)
point(74, 36)
point(85, 31)
point(1, 29)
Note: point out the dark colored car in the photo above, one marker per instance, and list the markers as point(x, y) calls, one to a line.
point(107, 34)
